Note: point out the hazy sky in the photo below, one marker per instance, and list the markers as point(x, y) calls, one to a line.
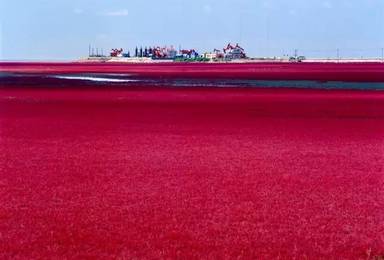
point(62, 29)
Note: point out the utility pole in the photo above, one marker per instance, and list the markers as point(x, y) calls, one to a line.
point(338, 55)
point(382, 54)
point(89, 50)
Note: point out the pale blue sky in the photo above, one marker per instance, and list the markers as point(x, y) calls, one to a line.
point(62, 29)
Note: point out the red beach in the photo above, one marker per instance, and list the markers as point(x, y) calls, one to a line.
point(190, 173)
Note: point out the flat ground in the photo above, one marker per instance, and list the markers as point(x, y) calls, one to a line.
point(191, 173)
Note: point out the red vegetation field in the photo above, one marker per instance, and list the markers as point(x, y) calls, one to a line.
point(191, 173)
point(371, 72)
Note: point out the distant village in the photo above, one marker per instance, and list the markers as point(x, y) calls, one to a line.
point(228, 53)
